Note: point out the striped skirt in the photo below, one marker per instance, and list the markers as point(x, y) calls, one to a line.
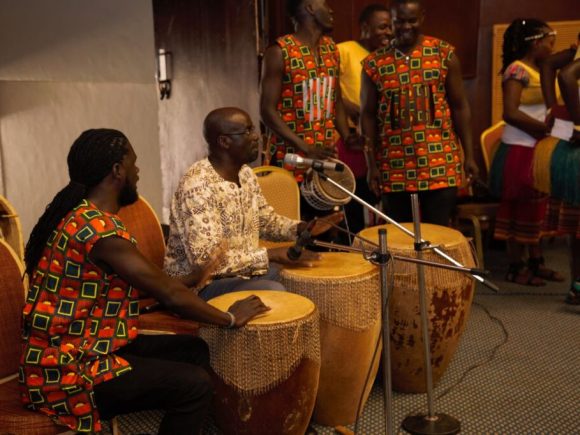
point(522, 208)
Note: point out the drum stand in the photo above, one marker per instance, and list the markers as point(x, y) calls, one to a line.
point(430, 424)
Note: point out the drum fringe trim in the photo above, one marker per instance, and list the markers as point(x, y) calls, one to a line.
point(347, 302)
point(257, 358)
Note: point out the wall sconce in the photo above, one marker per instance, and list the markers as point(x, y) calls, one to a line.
point(164, 73)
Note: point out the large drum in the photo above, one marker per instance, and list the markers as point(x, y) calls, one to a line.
point(345, 288)
point(449, 296)
point(266, 373)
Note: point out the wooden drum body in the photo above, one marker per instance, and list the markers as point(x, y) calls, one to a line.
point(266, 373)
point(345, 288)
point(449, 296)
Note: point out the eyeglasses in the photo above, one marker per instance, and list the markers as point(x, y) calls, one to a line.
point(247, 132)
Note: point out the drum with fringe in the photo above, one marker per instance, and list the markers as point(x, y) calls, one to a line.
point(266, 373)
point(449, 296)
point(345, 288)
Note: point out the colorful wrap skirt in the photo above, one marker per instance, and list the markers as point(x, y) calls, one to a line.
point(522, 208)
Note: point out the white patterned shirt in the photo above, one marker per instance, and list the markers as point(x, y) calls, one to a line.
point(207, 210)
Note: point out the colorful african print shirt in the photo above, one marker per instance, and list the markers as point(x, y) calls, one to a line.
point(76, 316)
point(207, 210)
point(308, 95)
point(418, 146)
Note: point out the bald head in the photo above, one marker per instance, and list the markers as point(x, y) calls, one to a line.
point(231, 135)
point(222, 121)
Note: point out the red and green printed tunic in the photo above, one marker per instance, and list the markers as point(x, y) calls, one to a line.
point(308, 95)
point(418, 147)
point(76, 316)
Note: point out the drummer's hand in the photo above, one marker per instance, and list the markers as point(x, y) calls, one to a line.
point(244, 309)
point(280, 255)
point(323, 224)
point(201, 275)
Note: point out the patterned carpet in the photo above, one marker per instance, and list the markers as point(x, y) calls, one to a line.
point(515, 371)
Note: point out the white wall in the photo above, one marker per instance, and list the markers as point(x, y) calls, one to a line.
point(65, 66)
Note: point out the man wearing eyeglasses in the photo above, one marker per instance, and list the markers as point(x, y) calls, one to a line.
point(219, 205)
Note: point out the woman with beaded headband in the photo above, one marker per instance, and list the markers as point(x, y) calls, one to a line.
point(527, 42)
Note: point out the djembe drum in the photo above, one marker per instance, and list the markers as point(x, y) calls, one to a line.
point(322, 194)
point(266, 373)
point(449, 296)
point(345, 288)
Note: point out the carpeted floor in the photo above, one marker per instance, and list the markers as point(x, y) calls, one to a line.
point(515, 371)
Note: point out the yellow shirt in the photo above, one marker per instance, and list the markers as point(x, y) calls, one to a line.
point(351, 57)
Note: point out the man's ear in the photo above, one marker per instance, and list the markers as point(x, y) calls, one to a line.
point(223, 141)
point(308, 7)
point(118, 171)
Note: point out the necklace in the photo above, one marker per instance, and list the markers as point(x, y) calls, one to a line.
point(400, 53)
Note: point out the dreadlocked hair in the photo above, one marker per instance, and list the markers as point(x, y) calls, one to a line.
point(89, 160)
point(515, 45)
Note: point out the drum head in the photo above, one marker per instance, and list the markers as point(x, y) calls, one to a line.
point(436, 234)
point(284, 306)
point(345, 179)
point(333, 265)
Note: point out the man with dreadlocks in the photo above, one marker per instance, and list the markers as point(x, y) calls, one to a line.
point(82, 359)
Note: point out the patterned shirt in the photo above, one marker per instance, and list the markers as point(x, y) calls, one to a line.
point(76, 316)
point(308, 95)
point(418, 146)
point(207, 210)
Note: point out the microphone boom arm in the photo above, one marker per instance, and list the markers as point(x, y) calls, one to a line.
point(438, 251)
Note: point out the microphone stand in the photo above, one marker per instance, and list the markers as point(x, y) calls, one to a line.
point(430, 424)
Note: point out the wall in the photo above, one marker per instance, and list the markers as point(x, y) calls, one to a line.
point(65, 66)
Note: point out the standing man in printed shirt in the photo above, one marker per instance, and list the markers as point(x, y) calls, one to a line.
point(300, 92)
point(413, 97)
point(376, 32)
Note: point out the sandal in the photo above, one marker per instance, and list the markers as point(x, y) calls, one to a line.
point(536, 265)
point(518, 273)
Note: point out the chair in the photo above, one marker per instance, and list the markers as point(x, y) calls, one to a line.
point(481, 214)
point(281, 191)
point(10, 228)
point(13, 417)
point(143, 224)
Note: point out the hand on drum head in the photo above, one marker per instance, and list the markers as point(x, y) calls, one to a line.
point(245, 309)
point(323, 224)
point(305, 259)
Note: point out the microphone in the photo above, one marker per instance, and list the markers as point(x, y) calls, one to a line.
point(295, 160)
point(294, 252)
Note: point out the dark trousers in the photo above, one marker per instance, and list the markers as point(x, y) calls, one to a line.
point(169, 373)
point(436, 206)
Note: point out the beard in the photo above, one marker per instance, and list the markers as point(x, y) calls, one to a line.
point(128, 195)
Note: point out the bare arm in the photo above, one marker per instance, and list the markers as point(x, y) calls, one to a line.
point(460, 113)
point(512, 92)
point(368, 119)
point(123, 258)
point(548, 70)
point(271, 88)
point(568, 80)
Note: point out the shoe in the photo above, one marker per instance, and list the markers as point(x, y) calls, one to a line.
point(518, 273)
